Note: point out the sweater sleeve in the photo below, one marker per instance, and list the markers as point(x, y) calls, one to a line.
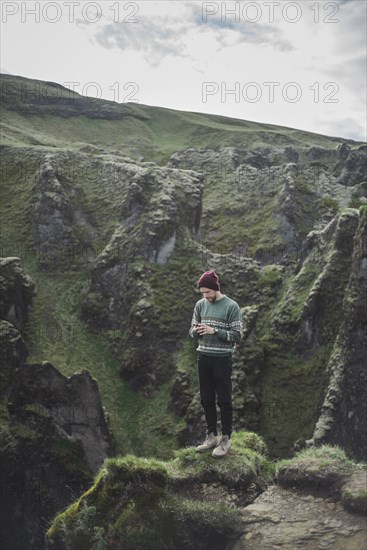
point(234, 333)
point(196, 319)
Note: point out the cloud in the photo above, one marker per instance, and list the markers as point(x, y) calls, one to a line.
point(243, 30)
point(150, 37)
point(156, 37)
point(261, 35)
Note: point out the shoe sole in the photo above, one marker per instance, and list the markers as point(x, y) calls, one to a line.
point(204, 450)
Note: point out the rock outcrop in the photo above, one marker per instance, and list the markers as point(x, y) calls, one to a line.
point(54, 435)
point(343, 415)
point(71, 404)
point(16, 292)
point(277, 195)
point(63, 232)
point(306, 323)
point(13, 353)
point(159, 217)
point(281, 518)
point(189, 502)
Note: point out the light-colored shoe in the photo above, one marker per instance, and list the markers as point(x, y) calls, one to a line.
point(210, 442)
point(223, 447)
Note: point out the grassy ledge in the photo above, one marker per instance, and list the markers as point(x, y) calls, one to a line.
point(136, 503)
point(326, 470)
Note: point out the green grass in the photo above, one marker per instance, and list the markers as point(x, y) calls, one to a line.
point(316, 458)
point(247, 458)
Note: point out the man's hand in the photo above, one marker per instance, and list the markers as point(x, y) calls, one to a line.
point(204, 329)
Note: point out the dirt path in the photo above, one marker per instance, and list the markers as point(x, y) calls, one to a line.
point(290, 520)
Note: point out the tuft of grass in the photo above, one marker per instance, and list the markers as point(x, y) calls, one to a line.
point(320, 457)
point(246, 460)
point(325, 467)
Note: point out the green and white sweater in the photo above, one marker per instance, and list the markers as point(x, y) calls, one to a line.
point(223, 314)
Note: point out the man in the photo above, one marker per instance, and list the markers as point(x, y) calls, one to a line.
point(217, 323)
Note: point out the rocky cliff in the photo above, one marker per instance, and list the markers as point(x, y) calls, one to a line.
point(54, 436)
point(344, 410)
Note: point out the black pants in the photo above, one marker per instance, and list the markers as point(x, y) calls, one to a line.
point(215, 379)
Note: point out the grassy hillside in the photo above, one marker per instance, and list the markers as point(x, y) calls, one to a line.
point(136, 129)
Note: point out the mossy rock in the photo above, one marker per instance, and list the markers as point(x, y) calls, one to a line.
point(139, 503)
point(131, 506)
point(326, 471)
point(314, 465)
point(354, 493)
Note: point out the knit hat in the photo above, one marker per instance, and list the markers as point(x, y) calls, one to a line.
point(209, 279)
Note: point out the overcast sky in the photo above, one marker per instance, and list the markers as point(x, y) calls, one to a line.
point(299, 64)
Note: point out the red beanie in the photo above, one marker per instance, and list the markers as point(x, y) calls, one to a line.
point(209, 279)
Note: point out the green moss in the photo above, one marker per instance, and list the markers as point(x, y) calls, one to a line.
point(186, 360)
point(246, 461)
point(58, 524)
point(270, 275)
point(328, 204)
point(316, 458)
point(255, 223)
point(326, 470)
point(357, 195)
point(293, 302)
point(131, 465)
point(249, 440)
point(131, 505)
point(303, 186)
point(23, 432)
point(138, 503)
point(291, 391)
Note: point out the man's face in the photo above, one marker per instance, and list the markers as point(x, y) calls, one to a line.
point(208, 294)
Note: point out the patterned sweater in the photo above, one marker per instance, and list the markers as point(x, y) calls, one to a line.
point(223, 314)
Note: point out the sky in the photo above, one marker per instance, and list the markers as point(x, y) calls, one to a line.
point(300, 64)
